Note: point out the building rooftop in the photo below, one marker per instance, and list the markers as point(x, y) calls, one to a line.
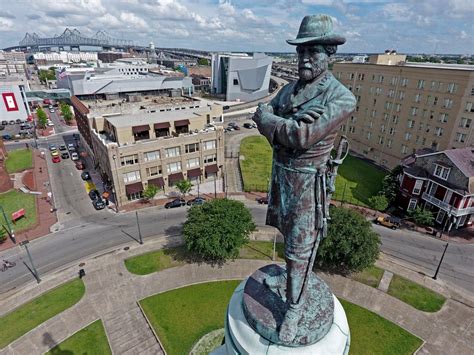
point(463, 158)
point(440, 66)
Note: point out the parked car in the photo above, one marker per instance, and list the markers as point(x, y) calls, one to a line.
point(248, 125)
point(51, 110)
point(94, 195)
point(12, 122)
point(176, 203)
point(62, 147)
point(2, 127)
point(236, 127)
point(50, 124)
point(71, 147)
point(80, 165)
point(196, 201)
point(56, 159)
point(85, 176)
point(390, 222)
point(263, 200)
point(98, 204)
point(7, 137)
point(74, 156)
point(65, 155)
point(52, 147)
point(54, 153)
point(4, 122)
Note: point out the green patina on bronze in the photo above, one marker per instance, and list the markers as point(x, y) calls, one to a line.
point(301, 124)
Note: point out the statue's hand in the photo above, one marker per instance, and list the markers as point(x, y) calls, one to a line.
point(308, 116)
point(261, 109)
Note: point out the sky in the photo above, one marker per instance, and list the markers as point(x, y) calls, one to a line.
point(370, 26)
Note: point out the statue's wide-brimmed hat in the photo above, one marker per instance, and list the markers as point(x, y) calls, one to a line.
point(317, 29)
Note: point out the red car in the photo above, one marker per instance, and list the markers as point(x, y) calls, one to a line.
point(56, 159)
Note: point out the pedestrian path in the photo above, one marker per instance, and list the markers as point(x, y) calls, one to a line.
point(112, 294)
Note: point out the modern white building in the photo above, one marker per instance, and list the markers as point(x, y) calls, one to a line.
point(12, 98)
point(240, 76)
point(64, 57)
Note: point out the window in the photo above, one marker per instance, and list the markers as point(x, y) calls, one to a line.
point(394, 119)
point(404, 82)
point(392, 131)
point(417, 97)
point(394, 80)
point(129, 160)
point(452, 88)
point(398, 107)
point(469, 107)
point(443, 117)
point(131, 176)
point(421, 84)
point(343, 128)
point(192, 163)
point(465, 122)
point(441, 172)
point(369, 134)
point(153, 171)
point(191, 148)
point(373, 113)
point(173, 167)
point(385, 116)
point(417, 187)
point(414, 110)
point(404, 149)
point(351, 129)
point(388, 105)
point(361, 76)
point(353, 119)
point(389, 143)
point(460, 137)
point(150, 156)
point(210, 158)
point(236, 81)
point(172, 152)
point(407, 136)
point(401, 95)
point(412, 204)
point(411, 123)
point(438, 131)
point(434, 85)
point(380, 79)
point(209, 145)
point(378, 91)
point(382, 128)
point(391, 93)
point(357, 88)
point(380, 140)
point(448, 103)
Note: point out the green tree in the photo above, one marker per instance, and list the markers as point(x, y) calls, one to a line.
point(42, 117)
point(203, 61)
point(378, 202)
point(150, 191)
point(422, 217)
point(217, 229)
point(351, 244)
point(184, 186)
point(390, 184)
point(46, 75)
point(66, 112)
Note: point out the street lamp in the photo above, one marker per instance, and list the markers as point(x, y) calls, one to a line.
point(10, 229)
point(34, 271)
point(113, 181)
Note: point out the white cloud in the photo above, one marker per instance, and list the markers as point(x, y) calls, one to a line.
point(132, 20)
point(6, 24)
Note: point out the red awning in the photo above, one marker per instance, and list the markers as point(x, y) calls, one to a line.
point(133, 188)
point(181, 123)
point(143, 128)
point(211, 169)
point(194, 172)
point(157, 181)
point(176, 177)
point(161, 125)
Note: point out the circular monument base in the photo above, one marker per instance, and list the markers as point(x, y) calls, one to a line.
point(241, 338)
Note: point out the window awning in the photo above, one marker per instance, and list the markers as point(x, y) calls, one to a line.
point(157, 182)
point(211, 169)
point(176, 177)
point(181, 123)
point(138, 129)
point(194, 172)
point(161, 125)
point(133, 188)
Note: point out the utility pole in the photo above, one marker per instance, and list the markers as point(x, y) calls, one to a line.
point(343, 193)
point(139, 231)
point(35, 272)
point(440, 262)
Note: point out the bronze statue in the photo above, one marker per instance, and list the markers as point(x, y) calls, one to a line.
point(301, 124)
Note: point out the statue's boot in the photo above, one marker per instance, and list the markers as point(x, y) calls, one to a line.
point(296, 273)
point(276, 281)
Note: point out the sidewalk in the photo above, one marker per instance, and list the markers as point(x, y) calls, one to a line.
point(112, 294)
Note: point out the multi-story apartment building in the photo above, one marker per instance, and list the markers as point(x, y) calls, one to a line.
point(403, 107)
point(12, 63)
point(152, 142)
point(442, 182)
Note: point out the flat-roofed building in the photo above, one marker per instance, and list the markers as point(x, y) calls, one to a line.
point(153, 142)
point(403, 107)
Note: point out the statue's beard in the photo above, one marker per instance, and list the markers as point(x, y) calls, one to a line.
point(309, 72)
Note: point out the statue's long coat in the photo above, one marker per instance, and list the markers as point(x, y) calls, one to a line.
point(298, 150)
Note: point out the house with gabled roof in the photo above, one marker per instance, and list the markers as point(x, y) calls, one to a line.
point(442, 182)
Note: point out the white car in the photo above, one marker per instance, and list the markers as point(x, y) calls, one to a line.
point(50, 124)
point(74, 156)
point(71, 147)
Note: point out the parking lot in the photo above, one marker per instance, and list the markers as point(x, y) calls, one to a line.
point(16, 129)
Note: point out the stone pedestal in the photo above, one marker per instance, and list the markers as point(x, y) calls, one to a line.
point(241, 338)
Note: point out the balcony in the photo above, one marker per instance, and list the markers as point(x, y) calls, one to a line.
point(446, 206)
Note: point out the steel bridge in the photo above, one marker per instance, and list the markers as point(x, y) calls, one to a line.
point(72, 38)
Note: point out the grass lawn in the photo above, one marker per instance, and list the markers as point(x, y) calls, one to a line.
point(415, 295)
point(12, 201)
point(91, 341)
point(261, 250)
point(156, 260)
point(360, 179)
point(256, 168)
point(18, 160)
point(30, 315)
point(372, 334)
point(370, 276)
point(182, 316)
